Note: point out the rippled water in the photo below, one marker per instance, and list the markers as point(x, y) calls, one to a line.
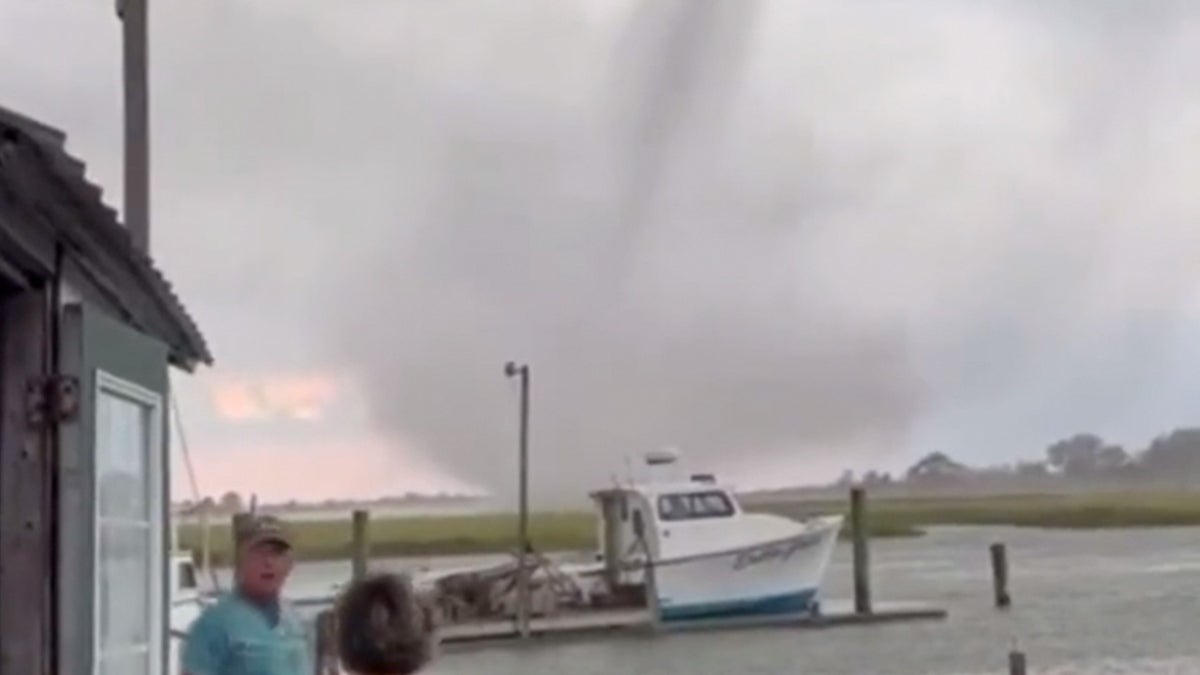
point(1086, 603)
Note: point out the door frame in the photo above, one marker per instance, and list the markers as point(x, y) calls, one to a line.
point(107, 383)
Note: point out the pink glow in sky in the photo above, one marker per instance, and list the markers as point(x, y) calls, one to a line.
point(349, 468)
point(290, 435)
point(305, 436)
point(296, 396)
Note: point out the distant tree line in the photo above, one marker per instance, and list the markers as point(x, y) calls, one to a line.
point(1170, 459)
point(232, 502)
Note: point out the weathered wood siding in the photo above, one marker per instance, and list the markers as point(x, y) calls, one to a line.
point(92, 341)
point(25, 519)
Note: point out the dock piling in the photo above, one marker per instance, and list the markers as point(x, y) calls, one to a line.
point(1016, 662)
point(651, 586)
point(205, 541)
point(610, 509)
point(326, 661)
point(361, 543)
point(862, 563)
point(237, 523)
point(999, 555)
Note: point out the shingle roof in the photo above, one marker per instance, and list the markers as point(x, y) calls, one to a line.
point(97, 230)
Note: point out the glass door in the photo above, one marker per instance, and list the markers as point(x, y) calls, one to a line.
point(128, 537)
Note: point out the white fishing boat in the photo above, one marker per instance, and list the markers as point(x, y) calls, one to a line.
point(710, 559)
point(681, 546)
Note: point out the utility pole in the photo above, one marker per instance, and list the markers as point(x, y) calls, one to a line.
point(134, 40)
point(523, 605)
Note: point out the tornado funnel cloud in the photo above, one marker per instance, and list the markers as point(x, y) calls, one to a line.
point(794, 236)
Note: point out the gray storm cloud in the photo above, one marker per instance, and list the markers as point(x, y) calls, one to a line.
point(581, 241)
point(770, 232)
point(759, 230)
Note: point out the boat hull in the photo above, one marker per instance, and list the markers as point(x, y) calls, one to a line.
point(778, 577)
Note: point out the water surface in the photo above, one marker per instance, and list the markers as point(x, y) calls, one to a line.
point(1086, 603)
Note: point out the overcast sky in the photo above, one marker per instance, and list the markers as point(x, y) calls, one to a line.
point(787, 237)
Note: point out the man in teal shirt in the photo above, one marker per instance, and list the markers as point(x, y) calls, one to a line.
point(252, 630)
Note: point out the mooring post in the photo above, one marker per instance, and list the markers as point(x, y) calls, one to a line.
point(610, 505)
point(237, 525)
point(1000, 575)
point(651, 586)
point(862, 562)
point(205, 541)
point(1016, 662)
point(326, 657)
point(361, 543)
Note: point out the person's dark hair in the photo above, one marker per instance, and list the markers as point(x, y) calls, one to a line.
point(383, 628)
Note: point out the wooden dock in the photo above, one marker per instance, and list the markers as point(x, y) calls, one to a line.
point(578, 624)
point(637, 622)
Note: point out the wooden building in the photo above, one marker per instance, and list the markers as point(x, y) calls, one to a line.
point(88, 329)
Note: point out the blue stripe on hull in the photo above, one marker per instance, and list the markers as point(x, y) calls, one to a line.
point(786, 603)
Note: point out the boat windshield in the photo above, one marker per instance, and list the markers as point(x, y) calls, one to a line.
point(695, 505)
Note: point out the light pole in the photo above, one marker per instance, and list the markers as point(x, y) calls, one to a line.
point(511, 369)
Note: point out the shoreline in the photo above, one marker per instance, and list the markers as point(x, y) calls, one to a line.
point(489, 533)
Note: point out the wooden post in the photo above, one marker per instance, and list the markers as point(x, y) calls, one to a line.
point(361, 543)
point(205, 541)
point(26, 512)
point(1000, 576)
point(326, 657)
point(651, 585)
point(1016, 662)
point(610, 506)
point(862, 562)
point(237, 523)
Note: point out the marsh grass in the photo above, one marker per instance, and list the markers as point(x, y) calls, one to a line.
point(575, 531)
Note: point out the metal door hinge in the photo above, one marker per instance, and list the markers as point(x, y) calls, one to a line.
point(51, 400)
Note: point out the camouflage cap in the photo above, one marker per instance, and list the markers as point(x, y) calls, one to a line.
point(258, 529)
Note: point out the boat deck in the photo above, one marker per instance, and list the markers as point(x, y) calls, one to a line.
point(593, 624)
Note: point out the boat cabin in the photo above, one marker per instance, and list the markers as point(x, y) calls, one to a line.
point(664, 518)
